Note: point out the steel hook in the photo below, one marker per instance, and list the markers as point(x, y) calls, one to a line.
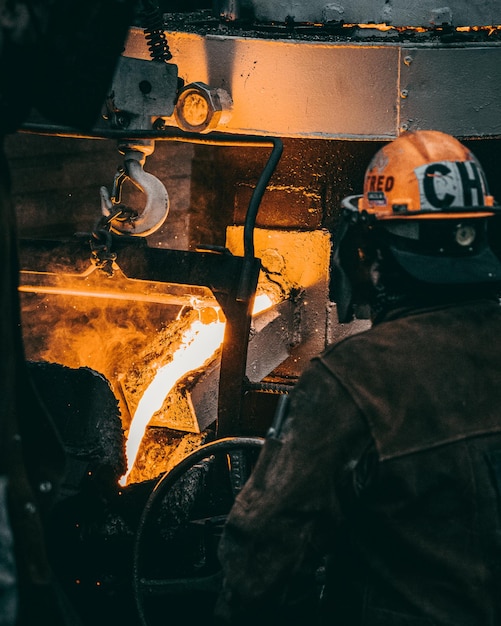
point(157, 198)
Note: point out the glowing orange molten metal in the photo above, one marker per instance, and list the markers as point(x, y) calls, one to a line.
point(198, 345)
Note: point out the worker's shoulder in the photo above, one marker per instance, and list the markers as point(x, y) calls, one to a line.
point(472, 322)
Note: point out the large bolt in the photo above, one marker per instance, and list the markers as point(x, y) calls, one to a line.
point(200, 108)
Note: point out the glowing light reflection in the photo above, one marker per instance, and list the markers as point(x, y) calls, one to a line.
point(199, 343)
point(261, 303)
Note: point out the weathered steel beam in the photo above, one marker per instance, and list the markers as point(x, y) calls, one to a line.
point(343, 89)
point(425, 13)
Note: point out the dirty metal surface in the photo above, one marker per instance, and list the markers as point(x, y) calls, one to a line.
point(398, 12)
point(342, 88)
point(454, 89)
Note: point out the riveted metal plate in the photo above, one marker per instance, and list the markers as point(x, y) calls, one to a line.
point(425, 13)
point(455, 90)
point(343, 90)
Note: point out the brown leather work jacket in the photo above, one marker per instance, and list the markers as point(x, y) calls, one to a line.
point(389, 463)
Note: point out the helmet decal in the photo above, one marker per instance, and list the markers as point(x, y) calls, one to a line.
point(450, 184)
point(376, 198)
point(380, 183)
point(424, 173)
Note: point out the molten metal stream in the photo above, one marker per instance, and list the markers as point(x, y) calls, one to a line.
point(198, 345)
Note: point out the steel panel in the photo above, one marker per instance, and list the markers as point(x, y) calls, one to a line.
point(456, 90)
point(343, 90)
point(425, 13)
point(293, 88)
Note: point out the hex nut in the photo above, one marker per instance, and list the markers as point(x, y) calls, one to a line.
point(208, 108)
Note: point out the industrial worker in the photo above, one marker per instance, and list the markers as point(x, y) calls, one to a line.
point(57, 58)
point(377, 500)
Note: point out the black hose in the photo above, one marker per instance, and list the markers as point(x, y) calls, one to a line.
point(251, 216)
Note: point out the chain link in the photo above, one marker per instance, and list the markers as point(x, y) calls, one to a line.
point(101, 239)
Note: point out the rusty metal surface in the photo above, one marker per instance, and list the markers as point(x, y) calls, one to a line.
point(297, 263)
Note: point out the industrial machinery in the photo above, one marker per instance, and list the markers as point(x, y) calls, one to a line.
point(274, 109)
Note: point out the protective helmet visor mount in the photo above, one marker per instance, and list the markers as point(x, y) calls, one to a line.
point(447, 252)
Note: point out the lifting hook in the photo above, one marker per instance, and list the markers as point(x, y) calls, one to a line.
point(157, 198)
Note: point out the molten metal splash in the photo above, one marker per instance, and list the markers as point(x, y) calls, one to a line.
point(198, 345)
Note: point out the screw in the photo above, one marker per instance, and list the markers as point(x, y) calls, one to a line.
point(404, 93)
point(159, 124)
point(122, 120)
point(408, 59)
point(145, 87)
point(45, 486)
point(30, 508)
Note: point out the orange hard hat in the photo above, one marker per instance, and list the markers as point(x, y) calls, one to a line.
point(424, 174)
point(426, 203)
